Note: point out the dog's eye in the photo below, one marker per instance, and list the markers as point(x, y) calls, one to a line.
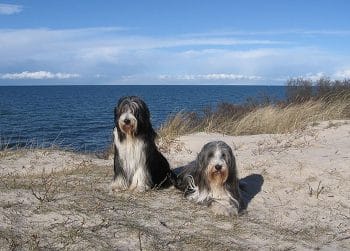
point(210, 155)
point(223, 155)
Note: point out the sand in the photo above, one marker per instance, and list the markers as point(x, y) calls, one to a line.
point(298, 187)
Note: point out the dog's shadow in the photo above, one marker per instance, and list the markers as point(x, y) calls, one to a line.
point(250, 186)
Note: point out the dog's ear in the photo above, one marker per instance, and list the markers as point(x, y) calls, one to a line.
point(202, 159)
point(144, 120)
point(231, 163)
point(199, 176)
point(116, 115)
point(232, 182)
point(121, 100)
point(144, 108)
point(200, 164)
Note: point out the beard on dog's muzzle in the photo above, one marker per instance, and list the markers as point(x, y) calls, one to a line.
point(127, 123)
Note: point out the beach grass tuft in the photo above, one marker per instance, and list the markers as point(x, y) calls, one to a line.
point(307, 102)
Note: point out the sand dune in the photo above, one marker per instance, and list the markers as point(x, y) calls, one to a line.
point(298, 188)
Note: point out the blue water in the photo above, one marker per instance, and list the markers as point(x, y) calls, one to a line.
point(81, 117)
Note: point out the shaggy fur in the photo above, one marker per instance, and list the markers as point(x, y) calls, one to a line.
point(137, 162)
point(212, 179)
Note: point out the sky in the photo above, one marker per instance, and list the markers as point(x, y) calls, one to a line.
point(173, 42)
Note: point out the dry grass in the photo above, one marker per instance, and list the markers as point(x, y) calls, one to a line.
point(9, 149)
point(268, 119)
point(83, 215)
point(272, 119)
point(177, 125)
point(73, 210)
point(307, 102)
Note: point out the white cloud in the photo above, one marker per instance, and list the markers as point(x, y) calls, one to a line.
point(109, 39)
point(298, 32)
point(210, 77)
point(314, 76)
point(38, 75)
point(108, 54)
point(342, 74)
point(337, 75)
point(9, 9)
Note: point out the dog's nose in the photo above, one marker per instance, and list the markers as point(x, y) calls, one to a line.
point(127, 121)
point(218, 167)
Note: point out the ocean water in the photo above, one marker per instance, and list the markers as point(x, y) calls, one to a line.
point(81, 117)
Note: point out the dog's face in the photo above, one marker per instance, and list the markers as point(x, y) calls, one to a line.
point(216, 163)
point(131, 114)
point(213, 180)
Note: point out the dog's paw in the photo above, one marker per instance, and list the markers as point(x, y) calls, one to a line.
point(138, 189)
point(117, 185)
point(223, 209)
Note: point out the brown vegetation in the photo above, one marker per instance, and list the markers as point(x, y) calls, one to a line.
point(306, 102)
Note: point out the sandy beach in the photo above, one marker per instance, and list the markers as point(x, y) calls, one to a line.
point(298, 188)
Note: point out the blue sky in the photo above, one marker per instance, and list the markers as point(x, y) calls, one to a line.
point(172, 42)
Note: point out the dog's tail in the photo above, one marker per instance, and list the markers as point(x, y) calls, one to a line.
point(168, 181)
point(172, 178)
point(180, 178)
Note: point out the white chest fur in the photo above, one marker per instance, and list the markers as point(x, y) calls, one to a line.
point(133, 160)
point(221, 201)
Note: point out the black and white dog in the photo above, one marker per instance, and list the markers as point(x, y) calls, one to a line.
point(138, 165)
point(212, 179)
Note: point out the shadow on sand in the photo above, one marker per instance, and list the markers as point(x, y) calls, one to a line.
point(250, 186)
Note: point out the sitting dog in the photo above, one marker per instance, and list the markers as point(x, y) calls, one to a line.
point(137, 162)
point(212, 179)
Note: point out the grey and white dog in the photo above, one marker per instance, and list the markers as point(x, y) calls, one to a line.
point(212, 179)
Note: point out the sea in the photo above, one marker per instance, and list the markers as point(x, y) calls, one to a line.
point(80, 118)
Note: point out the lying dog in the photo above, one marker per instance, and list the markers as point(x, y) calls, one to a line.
point(212, 179)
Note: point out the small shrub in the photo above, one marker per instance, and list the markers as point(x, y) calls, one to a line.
point(48, 186)
point(298, 90)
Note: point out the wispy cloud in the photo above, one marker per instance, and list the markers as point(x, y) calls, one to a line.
point(116, 54)
point(314, 76)
point(337, 75)
point(225, 33)
point(342, 74)
point(109, 37)
point(10, 9)
point(213, 76)
point(38, 75)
